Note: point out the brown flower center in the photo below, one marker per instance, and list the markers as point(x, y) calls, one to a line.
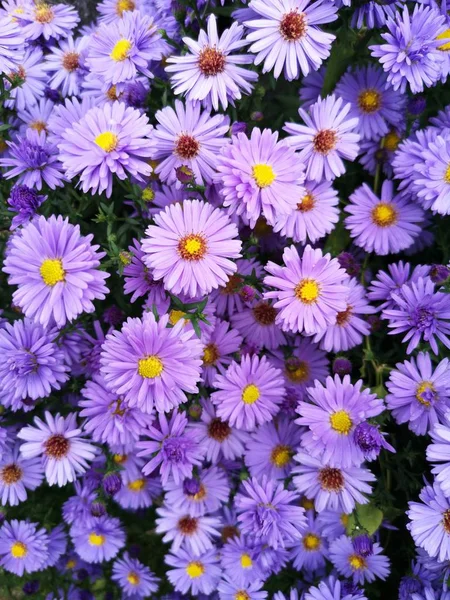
point(187, 146)
point(233, 284)
point(229, 532)
point(11, 474)
point(210, 354)
point(219, 430)
point(57, 446)
point(211, 61)
point(293, 26)
point(331, 479)
point(188, 525)
point(71, 61)
point(307, 203)
point(342, 318)
point(43, 13)
point(297, 370)
point(264, 314)
point(446, 521)
point(324, 141)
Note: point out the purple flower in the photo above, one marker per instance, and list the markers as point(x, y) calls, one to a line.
point(210, 73)
point(66, 65)
point(309, 290)
point(422, 313)
point(32, 76)
point(311, 552)
point(363, 544)
point(11, 45)
point(257, 324)
point(342, 366)
point(113, 139)
point(65, 115)
point(56, 269)
point(136, 492)
point(386, 284)
point(78, 507)
point(23, 547)
point(432, 179)
point(18, 475)
point(286, 37)
point(97, 539)
point(228, 299)
point(369, 440)
point(150, 364)
point(111, 483)
point(65, 453)
point(361, 568)
point(198, 574)
point(332, 588)
point(270, 513)
point(260, 175)
point(408, 152)
point(327, 136)
point(229, 589)
point(49, 20)
point(24, 201)
point(439, 273)
point(217, 353)
point(239, 559)
point(134, 578)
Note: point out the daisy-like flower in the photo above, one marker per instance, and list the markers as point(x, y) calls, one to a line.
point(23, 547)
point(33, 160)
point(315, 216)
point(97, 539)
point(228, 299)
point(387, 284)
point(32, 77)
point(375, 104)
point(173, 448)
point(270, 449)
point(64, 115)
point(259, 175)
point(190, 247)
point(12, 45)
point(66, 65)
point(150, 364)
point(383, 225)
point(328, 136)
point(408, 158)
point(188, 137)
point(194, 533)
point(137, 492)
point(350, 563)
point(229, 589)
point(239, 558)
point(18, 475)
point(258, 325)
point(217, 353)
point(433, 182)
point(331, 487)
point(419, 393)
point(421, 313)
point(430, 522)
point(249, 393)
point(285, 35)
point(349, 329)
point(332, 413)
point(312, 550)
point(438, 454)
point(49, 20)
point(57, 545)
point(32, 364)
point(78, 507)
point(332, 588)
point(411, 53)
point(119, 51)
point(37, 116)
point(107, 141)
point(65, 453)
point(309, 292)
point(198, 574)
point(56, 270)
point(211, 71)
point(108, 418)
point(134, 578)
point(112, 10)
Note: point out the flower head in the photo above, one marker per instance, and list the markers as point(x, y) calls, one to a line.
point(97, 539)
point(361, 568)
point(24, 201)
point(23, 547)
point(198, 574)
point(11, 45)
point(17, 475)
point(133, 577)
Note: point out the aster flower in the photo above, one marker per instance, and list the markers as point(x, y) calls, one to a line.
point(269, 450)
point(150, 364)
point(419, 393)
point(383, 225)
point(17, 476)
point(23, 547)
point(438, 454)
point(33, 160)
point(32, 80)
point(198, 574)
point(217, 353)
point(32, 364)
point(333, 589)
point(312, 550)
point(57, 545)
point(56, 270)
point(333, 411)
point(331, 487)
point(190, 247)
point(50, 20)
point(411, 52)
point(370, 440)
point(259, 175)
point(112, 10)
point(97, 539)
point(120, 50)
point(315, 216)
point(239, 559)
point(65, 453)
point(372, 100)
point(269, 513)
point(229, 589)
point(228, 299)
point(108, 418)
point(11, 45)
point(136, 492)
point(37, 116)
point(257, 324)
point(361, 568)
point(194, 533)
point(327, 136)
point(138, 279)
point(78, 507)
point(421, 313)
point(309, 290)
point(432, 183)
point(174, 448)
point(285, 35)
point(430, 522)
point(113, 139)
point(66, 65)
point(388, 283)
point(249, 393)
point(211, 71)
point(191, 137)
point(134, 578)
point(410, 152)
point(311, 87)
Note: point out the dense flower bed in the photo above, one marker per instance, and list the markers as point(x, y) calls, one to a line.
point(225, 311)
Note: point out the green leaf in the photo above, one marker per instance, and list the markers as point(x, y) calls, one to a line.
point(365, 516)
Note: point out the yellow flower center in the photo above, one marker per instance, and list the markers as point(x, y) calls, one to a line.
point(124, 5)
point(344, 519)
point(52, 271)
point(357, 562)
point(119, 459)
point(137, 485)
point(263, 175)
point(250, 394)
point(384, 214)
point(341, 422)
point(307, 503)
point(307, 203)
point(241, 595)
point(38, 126)
point(280, 455)
point(369, 101)
point(121, 50)
point(150, 367)
point(96, 539)
point(70, 564)
point(148, 195)
point(444, 36)
point(391, 141)
point(447, 174)
point(421, 388)
point(297, 370)
point(192, 247)
point(195, 569)
point(19, 550)
point(107, 141)
point(307, 291)
point(43, 13)
point(133, 578)
point(311, 542)
point(175, 316)
point(246, 561)
point(210, 354)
